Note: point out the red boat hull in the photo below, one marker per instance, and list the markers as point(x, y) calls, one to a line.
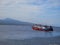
point(35, 28)
point(42, 27)
point(39, 29)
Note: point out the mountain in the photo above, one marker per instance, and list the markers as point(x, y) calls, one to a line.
point(9, 21)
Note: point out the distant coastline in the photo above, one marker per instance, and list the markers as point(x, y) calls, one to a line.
point(9, 21)
point(14, 24)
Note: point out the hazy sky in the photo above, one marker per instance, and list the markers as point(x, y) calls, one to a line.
point(36, 11)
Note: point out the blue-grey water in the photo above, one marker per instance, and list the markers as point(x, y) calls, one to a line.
point(24, 32)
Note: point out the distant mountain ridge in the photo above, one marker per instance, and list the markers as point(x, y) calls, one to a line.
point(9, 21)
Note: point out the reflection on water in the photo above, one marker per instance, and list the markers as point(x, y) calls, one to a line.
point(52, 34)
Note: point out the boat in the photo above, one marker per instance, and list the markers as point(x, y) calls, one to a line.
point(42, 27)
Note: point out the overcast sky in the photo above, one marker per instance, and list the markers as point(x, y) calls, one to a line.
point(36, 11)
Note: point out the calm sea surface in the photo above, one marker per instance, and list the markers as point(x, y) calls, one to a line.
point(24, 32)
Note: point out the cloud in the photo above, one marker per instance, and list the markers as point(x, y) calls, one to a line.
point(37, 11)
